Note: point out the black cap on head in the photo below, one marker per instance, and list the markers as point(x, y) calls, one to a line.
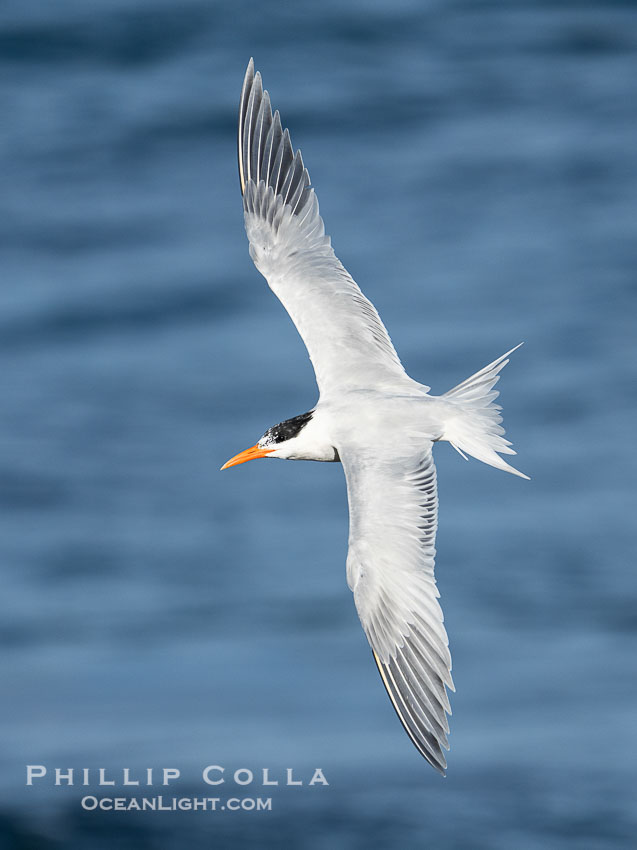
point(286, 430)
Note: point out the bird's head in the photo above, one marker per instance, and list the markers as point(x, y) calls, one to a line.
point(283, 440)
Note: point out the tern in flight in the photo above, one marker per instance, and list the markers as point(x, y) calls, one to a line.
point(372, 417)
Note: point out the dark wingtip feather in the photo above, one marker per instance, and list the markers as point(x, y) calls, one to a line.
point(424, 740)
point(243, 105)
point(265, 150)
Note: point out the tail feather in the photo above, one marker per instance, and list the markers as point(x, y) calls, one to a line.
point(473, 422)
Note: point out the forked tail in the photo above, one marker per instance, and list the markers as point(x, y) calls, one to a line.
point(473, 422)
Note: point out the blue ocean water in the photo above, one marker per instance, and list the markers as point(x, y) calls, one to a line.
point(477, 169)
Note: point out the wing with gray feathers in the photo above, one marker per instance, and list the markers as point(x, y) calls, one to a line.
point(348, 344)
point(393, 504)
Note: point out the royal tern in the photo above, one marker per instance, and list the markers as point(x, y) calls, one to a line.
point(372, 417)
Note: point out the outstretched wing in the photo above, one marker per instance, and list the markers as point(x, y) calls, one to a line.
point(348, 344)
point(393, 504)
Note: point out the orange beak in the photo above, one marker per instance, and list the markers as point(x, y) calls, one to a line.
point(249, 454)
